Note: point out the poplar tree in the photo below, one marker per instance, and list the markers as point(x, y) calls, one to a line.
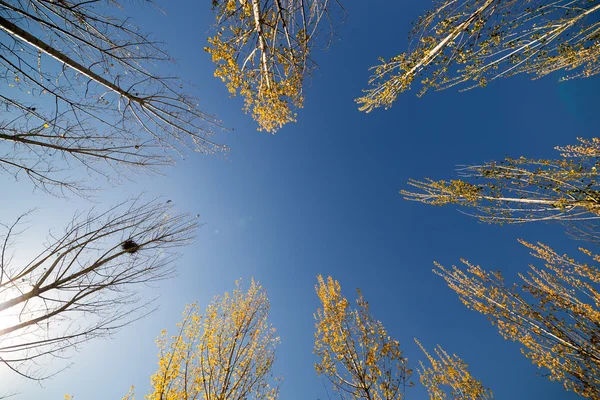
point(226, 353)
point(262, 50)
point(470, 43)
point(519, 190)
point(554, 314)
point(362, 361)
point(355, 352)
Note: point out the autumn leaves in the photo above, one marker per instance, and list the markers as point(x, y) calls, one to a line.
point(228, 353)
point(263, 49)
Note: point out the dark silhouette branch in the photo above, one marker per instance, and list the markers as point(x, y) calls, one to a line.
point(85, 283)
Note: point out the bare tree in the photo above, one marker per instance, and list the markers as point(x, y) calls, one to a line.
point(81, 87)
point(262, 48)
point(85, 283)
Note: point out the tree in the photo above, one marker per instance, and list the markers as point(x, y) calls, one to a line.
point(518, 190)
point(355, 352)
point(85, 283)
point(262, 49)
point(362, 362)
point(226, 354)
point(451, 371)
point(82, 88)
point(473, 42)
point(555, 315)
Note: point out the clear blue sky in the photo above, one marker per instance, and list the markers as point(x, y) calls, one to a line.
point(321, 197)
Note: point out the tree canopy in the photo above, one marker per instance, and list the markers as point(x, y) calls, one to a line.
point(555, 315)
point(472, 42)
point(519, 190)
point(226, 353)
point(362, 361)
point(263, 50)
point(83, 92)
point(86, 282)
point(355, 352)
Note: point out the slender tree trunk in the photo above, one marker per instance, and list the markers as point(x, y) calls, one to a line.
point(25, 36)
point(576, 203)
point(433, 52)
point(262, 45)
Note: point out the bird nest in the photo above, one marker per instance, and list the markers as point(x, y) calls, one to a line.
point(129, 246)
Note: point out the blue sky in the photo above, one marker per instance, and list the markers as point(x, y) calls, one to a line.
point(321, 197)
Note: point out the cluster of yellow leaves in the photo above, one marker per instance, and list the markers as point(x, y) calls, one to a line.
point(450, 371)
point(442, 192)
point(556, 318)
point(130, 394)
point(475, 41)
point(227, 353)
point(355, 352)
point(258, 56)
point(392, 78)
point(586, 148)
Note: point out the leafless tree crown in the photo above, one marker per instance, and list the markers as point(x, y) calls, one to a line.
point(85, 283)
point(80, 88)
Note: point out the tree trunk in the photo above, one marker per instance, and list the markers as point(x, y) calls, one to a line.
point(262, 45)
point(25, 36)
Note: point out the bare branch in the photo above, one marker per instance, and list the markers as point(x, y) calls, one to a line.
point(85, 283)
point(81, 90)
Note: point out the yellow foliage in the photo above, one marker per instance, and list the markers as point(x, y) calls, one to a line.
point(517, 190)
point(354, 350)
point(555, 318)
point(471, 42)
point(262, 51)
point(450, 371)
point(227, 353)
point(130, 394)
